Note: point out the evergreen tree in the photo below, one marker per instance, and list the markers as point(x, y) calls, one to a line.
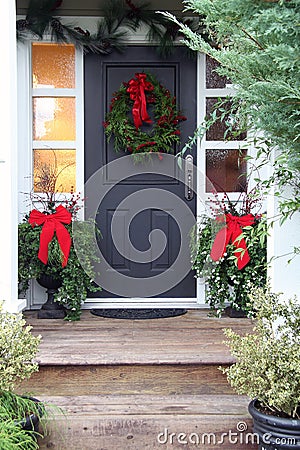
point(257, 43)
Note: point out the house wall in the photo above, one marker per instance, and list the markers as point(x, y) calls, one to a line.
point(8, 158)
point(285, 265)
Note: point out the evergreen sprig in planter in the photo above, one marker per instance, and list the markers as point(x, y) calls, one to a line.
point(267, 369)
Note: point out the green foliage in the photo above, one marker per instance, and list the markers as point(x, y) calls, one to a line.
point(225, 283)
point(18, 349)
point(161, 137)
point(13, 411)
point(267, 366)
point(76, 281)
point(118, 17)
point(257, 43)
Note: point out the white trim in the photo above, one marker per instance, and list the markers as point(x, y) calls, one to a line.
point(226, 145)
point(220, 92)
point(201, 112)
point(52, 145)
point(201, 197)
point(112, 303)
point(79, 78)
point(53, 92)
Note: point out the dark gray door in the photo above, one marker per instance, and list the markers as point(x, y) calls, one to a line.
point(103, 76)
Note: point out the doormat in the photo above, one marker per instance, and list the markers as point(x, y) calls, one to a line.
point(139, 314)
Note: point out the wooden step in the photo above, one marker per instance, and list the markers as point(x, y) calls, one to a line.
point(193, 338)
point(137, 422)
point(163, 379)
point(124, 383)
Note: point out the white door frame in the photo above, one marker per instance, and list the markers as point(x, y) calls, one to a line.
point(169, 302)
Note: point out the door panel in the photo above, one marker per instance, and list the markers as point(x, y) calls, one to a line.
point(134, 253)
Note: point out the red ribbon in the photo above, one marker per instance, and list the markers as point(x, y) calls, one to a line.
point(230, 234)
point(53, 223)
point(136, 89)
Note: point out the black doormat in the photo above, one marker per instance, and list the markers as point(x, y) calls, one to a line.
point(138, 314)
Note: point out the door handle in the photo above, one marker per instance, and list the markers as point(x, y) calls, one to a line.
point(189, 177)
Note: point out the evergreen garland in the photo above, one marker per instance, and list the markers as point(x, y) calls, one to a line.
point(119, 16)
point(162, 135)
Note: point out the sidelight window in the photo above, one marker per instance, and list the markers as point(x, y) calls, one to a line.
point(55, 102)
point(225, 161)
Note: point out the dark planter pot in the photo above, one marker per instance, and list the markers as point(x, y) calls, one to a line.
point(235, 313)
point(275, 433)
point(50, 309)
point(32, 421)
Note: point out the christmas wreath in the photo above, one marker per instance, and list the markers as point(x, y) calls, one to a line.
point(128, 112)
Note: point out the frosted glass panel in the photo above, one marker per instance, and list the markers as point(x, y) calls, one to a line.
point(226, 170)
point(54, 170)
point(53, 66)
point(54, 119)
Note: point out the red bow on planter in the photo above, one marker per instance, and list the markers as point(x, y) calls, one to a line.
point(136, 89)
point(230, 234)
point(53, 223)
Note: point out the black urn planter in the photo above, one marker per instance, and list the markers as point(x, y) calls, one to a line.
point(275, 433)
point(32, 421)
point(50, 309)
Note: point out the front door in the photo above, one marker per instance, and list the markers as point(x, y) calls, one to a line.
point(143, 231)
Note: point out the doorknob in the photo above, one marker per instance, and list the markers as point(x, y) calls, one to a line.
point(189, 177)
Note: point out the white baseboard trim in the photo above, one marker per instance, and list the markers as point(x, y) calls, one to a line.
point(15, 306)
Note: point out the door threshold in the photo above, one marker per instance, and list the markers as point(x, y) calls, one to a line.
point(143, 303)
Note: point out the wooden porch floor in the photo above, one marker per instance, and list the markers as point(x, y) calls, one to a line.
point(121, 383)
point(193, 338)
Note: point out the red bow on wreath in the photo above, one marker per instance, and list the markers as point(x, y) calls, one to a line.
point(231, 233)
point(53, 223)
point(136, 89)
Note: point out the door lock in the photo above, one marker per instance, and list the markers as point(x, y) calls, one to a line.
point(189, 177)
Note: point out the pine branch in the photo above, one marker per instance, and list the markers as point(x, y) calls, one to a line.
point(252, 39)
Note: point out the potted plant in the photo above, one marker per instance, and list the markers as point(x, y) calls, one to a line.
point(46, 245)
point(53, 261)
point(267, 369)
point(19, 416)
point(229, 252)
